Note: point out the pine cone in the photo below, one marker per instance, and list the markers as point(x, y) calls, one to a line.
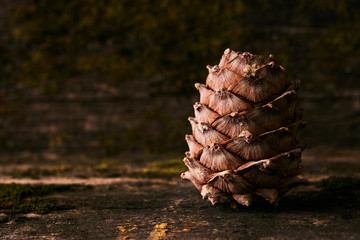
point(245, 131)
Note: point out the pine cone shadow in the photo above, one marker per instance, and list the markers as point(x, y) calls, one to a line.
point(332, 194)
point(320, 201)
point(335, 194)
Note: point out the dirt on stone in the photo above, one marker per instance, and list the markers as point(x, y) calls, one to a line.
point(170, 208)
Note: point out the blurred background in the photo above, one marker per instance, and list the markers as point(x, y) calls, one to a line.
point(92, 79)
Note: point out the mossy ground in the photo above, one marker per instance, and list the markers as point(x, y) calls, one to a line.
point(151, 201)
point(108, 168)
point(24, 198)
point(151, 209)
point(166, 169)
point(18, 199)
point(36, 173)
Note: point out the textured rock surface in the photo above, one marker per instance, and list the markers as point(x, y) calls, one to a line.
point(171, 209)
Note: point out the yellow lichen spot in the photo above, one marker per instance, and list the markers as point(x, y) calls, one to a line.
point(159, 232)
point(122, 229)
point(125, 231)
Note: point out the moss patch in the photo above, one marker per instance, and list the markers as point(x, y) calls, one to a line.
point(110, 168)
point(36, 173)
point(19, 198)
point(166, 169)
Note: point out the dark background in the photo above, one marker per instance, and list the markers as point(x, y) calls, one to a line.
point(107, 78)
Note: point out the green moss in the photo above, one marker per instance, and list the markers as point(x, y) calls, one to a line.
point(110, 168)
point(36, 173)
point(339, 184)
point(106, 165)
point(19, 198)
point(163, 169)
